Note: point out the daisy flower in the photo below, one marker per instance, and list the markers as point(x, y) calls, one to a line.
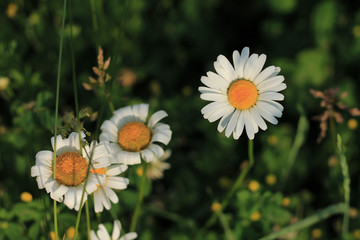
point(104, 193)
point(102, 233)
point(71, 169)
point(242, 95)
point(131, 138)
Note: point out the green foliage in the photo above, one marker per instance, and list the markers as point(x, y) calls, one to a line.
point(168, 45)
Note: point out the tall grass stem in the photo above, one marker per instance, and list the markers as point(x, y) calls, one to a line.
point(346, 186)
point(57, 110)
point(140, 199)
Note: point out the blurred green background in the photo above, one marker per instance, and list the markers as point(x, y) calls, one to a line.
point(161, 49)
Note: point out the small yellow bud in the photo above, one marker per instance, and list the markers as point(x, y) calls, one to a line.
point(353, 212)
point(352, 124)
point(4, 83)
point(270, 179)
point(11, 10)
point(356, 234)
point(52, 235)
point(286, 201)
point(254, 185)
point(255, 216)
point(273, 140)
point(26, 197)
point(70, 232)
point(316, 233)
point(215, 207)
point(224, 182)
point(139, 171)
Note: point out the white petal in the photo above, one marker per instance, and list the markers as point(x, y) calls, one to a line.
point(156, 117)
point(224, 120)
point(144, 109)
point(259, 64)
point(266, 115)
point(93, 235)
point(265, 74)
point(220, 82)
point(240, 63)
point(220, 112)
point(270, 108)
point(116, 230)
point(258, 119)
point(250, 65)
point(59, 142)
point(129, 236)
point(44, 157)
point(103, 233)
point(232, 123)
point(203, 89)
point(249, 125)
point(129, 158)
point(271, 96)
point(147, 155)
point(213, 97)
point(110, 128)
point(114, 170)
point(222, 72)
point(276, 88)
point(159, 151)
point(226, 65)
point(70, 198)
point(212, 107)
point(161, 137)
point(239, 126)
point(117, 182)
point(217, 78)
point(98, 200)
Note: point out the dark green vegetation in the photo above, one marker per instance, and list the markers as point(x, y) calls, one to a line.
point(169, 45)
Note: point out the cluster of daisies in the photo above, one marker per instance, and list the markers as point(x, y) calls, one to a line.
point(83, 169)
point(242, 96)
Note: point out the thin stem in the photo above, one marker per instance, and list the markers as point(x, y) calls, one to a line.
point(87, 219)
point(346, 186)
point(309, 221)
point(140, 199)
point(93, 15)
point(57, 110)
point(333, 130)
point(225, 224)
point(234, 188)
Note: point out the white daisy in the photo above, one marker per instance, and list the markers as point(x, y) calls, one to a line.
point(130, 139)
point(104, 193)
point(102, 233)
point(242, 95)
point(71, 169)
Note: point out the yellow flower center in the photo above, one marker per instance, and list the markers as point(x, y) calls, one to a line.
point(242, 94)
point(134, 136)
point(71, 169)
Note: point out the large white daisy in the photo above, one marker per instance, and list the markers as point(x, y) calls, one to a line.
point(103, 234)
point(131, 138)
point(242, 95)
point(104, 193)
point(71, 169)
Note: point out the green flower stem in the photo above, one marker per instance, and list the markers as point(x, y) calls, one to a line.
point(140, 199)
point(225, 224)
point(56, 112)
point(234, 188)
point(346, 186)
point(333, 130)
point(93, 15)
point(311, 220)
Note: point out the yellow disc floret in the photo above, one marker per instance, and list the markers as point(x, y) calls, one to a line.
point(71, 168)
point(134, 136)
point(242, 94)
